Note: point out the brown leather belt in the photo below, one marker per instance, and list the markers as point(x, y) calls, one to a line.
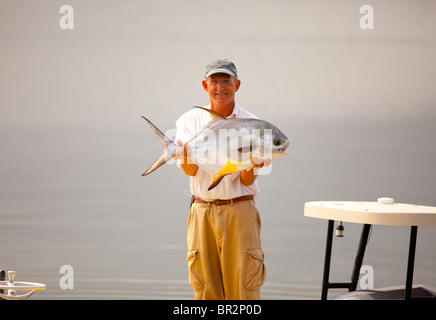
point(222, 202)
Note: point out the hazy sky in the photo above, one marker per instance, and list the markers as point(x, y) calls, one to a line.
point(124, 59)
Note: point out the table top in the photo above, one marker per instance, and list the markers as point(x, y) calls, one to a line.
point(383, 212)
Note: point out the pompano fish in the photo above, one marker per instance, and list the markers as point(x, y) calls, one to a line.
point(226, 145)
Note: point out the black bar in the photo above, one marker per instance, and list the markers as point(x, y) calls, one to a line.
point(359, 256)
point(2, 278)
point(411, 262)
point(340, 285)
point(328, 254)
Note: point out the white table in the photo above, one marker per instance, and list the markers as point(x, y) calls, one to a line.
point(383, 212)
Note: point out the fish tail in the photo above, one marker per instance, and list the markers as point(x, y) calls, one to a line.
point(170, 149)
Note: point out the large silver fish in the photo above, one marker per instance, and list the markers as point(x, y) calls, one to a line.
point(226, 145)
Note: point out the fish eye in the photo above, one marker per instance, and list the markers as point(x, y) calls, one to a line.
point(277, 142)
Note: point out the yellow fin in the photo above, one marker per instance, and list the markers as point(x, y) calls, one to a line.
point(229, 168)
point(215, 182)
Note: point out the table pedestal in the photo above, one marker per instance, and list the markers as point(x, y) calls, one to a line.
point(352, 284)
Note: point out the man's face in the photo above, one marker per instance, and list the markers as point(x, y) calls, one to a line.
point(221, 88)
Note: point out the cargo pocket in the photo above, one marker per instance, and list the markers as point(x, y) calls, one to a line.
point(194, 267)
point(255, 271)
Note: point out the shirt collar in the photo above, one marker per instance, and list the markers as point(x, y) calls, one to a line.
point(236, 110)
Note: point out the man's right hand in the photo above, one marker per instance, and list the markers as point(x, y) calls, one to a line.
point(184, 154)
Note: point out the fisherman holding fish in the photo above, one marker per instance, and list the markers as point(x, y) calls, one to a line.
point(225, 256)
point(221, 147)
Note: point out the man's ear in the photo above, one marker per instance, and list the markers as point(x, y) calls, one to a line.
point(238, 84)
point(205, 87)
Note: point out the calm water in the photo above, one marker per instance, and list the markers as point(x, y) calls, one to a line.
point(80, 201)
point(357, 105)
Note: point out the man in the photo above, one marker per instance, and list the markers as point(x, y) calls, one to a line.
point(225, 256)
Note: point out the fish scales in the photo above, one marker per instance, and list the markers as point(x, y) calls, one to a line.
point(227, 145)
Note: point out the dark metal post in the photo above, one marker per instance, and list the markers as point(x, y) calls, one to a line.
point(411, 262)
point(359, 256)
point(328, 254)
point(2, 278)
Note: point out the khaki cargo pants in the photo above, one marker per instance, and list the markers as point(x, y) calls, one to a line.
point(225, 257)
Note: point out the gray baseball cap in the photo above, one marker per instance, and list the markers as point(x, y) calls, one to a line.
point(221, 66)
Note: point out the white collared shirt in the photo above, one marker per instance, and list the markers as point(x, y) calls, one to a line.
point(231, 185)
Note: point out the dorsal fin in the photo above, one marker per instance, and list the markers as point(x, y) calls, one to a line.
point(216, 117)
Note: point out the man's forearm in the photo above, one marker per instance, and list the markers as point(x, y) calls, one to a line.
point(248, 177)
point(189, 169)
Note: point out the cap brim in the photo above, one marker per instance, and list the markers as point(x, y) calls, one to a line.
point(219, 70)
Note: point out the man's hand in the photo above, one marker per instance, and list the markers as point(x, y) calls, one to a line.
point(184, 154)
point(260, 163)
point(248, 176)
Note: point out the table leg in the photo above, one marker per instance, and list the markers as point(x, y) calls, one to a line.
point(328, 254)
point(2, 278)
point(359, 256)
point(411, 262)
point(351, 286)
